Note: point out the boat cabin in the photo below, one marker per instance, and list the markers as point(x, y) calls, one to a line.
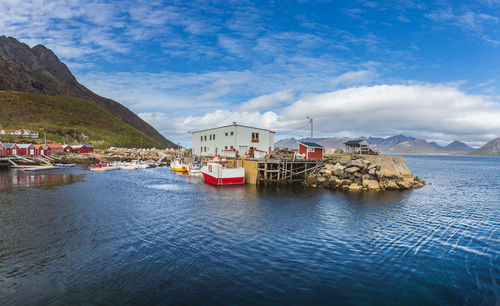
point(358, 146)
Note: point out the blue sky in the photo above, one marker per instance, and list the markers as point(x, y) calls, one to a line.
point(360, 68)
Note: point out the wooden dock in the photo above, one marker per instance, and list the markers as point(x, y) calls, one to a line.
point(278, 171)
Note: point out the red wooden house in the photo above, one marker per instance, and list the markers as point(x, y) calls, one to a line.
point(26, 149)
point(83, 149)
point(43, 150)
point(55, 148)
point(311, 150)
point(11, 149)
point(67, 149)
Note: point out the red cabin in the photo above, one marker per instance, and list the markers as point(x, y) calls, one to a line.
point(311, 150)
point(67, 149)
point(83, 149)
point(44, 150)
point(55, 148)
point(11, 149)
point(26, 150)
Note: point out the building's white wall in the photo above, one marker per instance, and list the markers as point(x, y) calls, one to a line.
point(241, 140)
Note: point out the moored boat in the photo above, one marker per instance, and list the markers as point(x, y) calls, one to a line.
point(178, 166)
point(103, 167)
point(194, 170)
point(215, 172)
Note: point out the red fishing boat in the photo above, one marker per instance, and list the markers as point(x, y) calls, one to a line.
point(215, 172)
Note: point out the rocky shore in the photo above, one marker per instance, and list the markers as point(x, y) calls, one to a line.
point(359, 172)
point(122, 154)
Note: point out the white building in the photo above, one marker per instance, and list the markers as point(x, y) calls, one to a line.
point(237, 138)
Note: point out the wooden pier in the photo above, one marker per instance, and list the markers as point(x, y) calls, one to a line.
point(278, 171)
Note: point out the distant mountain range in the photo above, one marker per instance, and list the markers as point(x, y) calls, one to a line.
point(399, 144)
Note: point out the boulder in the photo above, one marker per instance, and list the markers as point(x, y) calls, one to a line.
point(371, 184)
point(352, 169)
point(355, 186)
point(372, 166)
point(357, 163)
point(345, 160)
point(391, 185)
point(321, 179)
point(338, 166)
point(357, 174)
point(338, 172)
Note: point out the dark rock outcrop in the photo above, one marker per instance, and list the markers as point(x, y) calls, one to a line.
point(39, 70)
point(492, 148)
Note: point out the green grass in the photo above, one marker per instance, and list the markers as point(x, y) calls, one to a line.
point(71, 119)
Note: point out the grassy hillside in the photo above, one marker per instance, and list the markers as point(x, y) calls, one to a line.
point(72, 119)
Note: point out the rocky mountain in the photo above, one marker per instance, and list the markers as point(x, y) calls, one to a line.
point(382, 144)
point(457, 146)
point(492, 148)
point(291, 143)
point(38, 70)
point(417, 146)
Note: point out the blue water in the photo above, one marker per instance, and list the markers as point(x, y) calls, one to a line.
point(156, 237)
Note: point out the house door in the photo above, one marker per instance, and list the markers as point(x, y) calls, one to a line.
point(32, 152)
point(14, 151)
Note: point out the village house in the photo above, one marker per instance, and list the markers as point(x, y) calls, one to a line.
point(43, 150)
point(11, 149)
point(20, 133)
point(26, 149)
point(3, 150)
point(84, 148)
point(235, 139)
point(55, 148)
point(311, 150)
point(67, 149)
point(358, 146)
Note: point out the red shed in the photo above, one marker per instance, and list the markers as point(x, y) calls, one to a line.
point(67, 149)
point(311, 150)
point(83, 148)
point(44, 150)
point(11, 149)
point(26, 150)
point(55, 148)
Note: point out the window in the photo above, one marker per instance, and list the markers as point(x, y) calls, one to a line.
point(201, 138)
point(213, 138)
point(255, 137)
point(210, 137)
point(310, 149)
point(205, 137)
point(226, 134)
point(225, 148)
point(232, 133)
point(231, 147)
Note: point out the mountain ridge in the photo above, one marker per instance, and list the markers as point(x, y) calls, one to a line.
point(39, 70)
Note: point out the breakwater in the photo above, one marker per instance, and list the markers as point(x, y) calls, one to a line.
point(361, 172)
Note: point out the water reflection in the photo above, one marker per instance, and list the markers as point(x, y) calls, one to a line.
point(17, 178)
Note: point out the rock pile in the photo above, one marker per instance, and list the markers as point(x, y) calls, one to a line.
point(357, 173)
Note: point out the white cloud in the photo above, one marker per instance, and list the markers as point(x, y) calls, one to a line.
point(266, 101)
point(355, 77)
point(435, 112)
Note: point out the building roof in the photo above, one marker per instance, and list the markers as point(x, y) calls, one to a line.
point(24, 145)
point(55, 145)
point(82, 145)
point(9, 145)
point(225, 126)
point(310, 144)
point(355, 142)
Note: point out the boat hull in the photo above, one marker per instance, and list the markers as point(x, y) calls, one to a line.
point(179, 169)
point(223, 181)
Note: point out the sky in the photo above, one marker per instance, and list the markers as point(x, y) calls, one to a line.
point(357, 67)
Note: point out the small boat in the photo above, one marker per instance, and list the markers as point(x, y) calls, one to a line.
point(178, 166)
point(38, 168)
point(194, 170)
point(65, 165)
point(215, 172)
point(103, 167)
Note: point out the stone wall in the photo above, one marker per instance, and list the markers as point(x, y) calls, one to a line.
point(361, 172)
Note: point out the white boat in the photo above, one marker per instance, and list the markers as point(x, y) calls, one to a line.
point(66, 165)
point(103, 167)
point(194, 170)
point(215, 172)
